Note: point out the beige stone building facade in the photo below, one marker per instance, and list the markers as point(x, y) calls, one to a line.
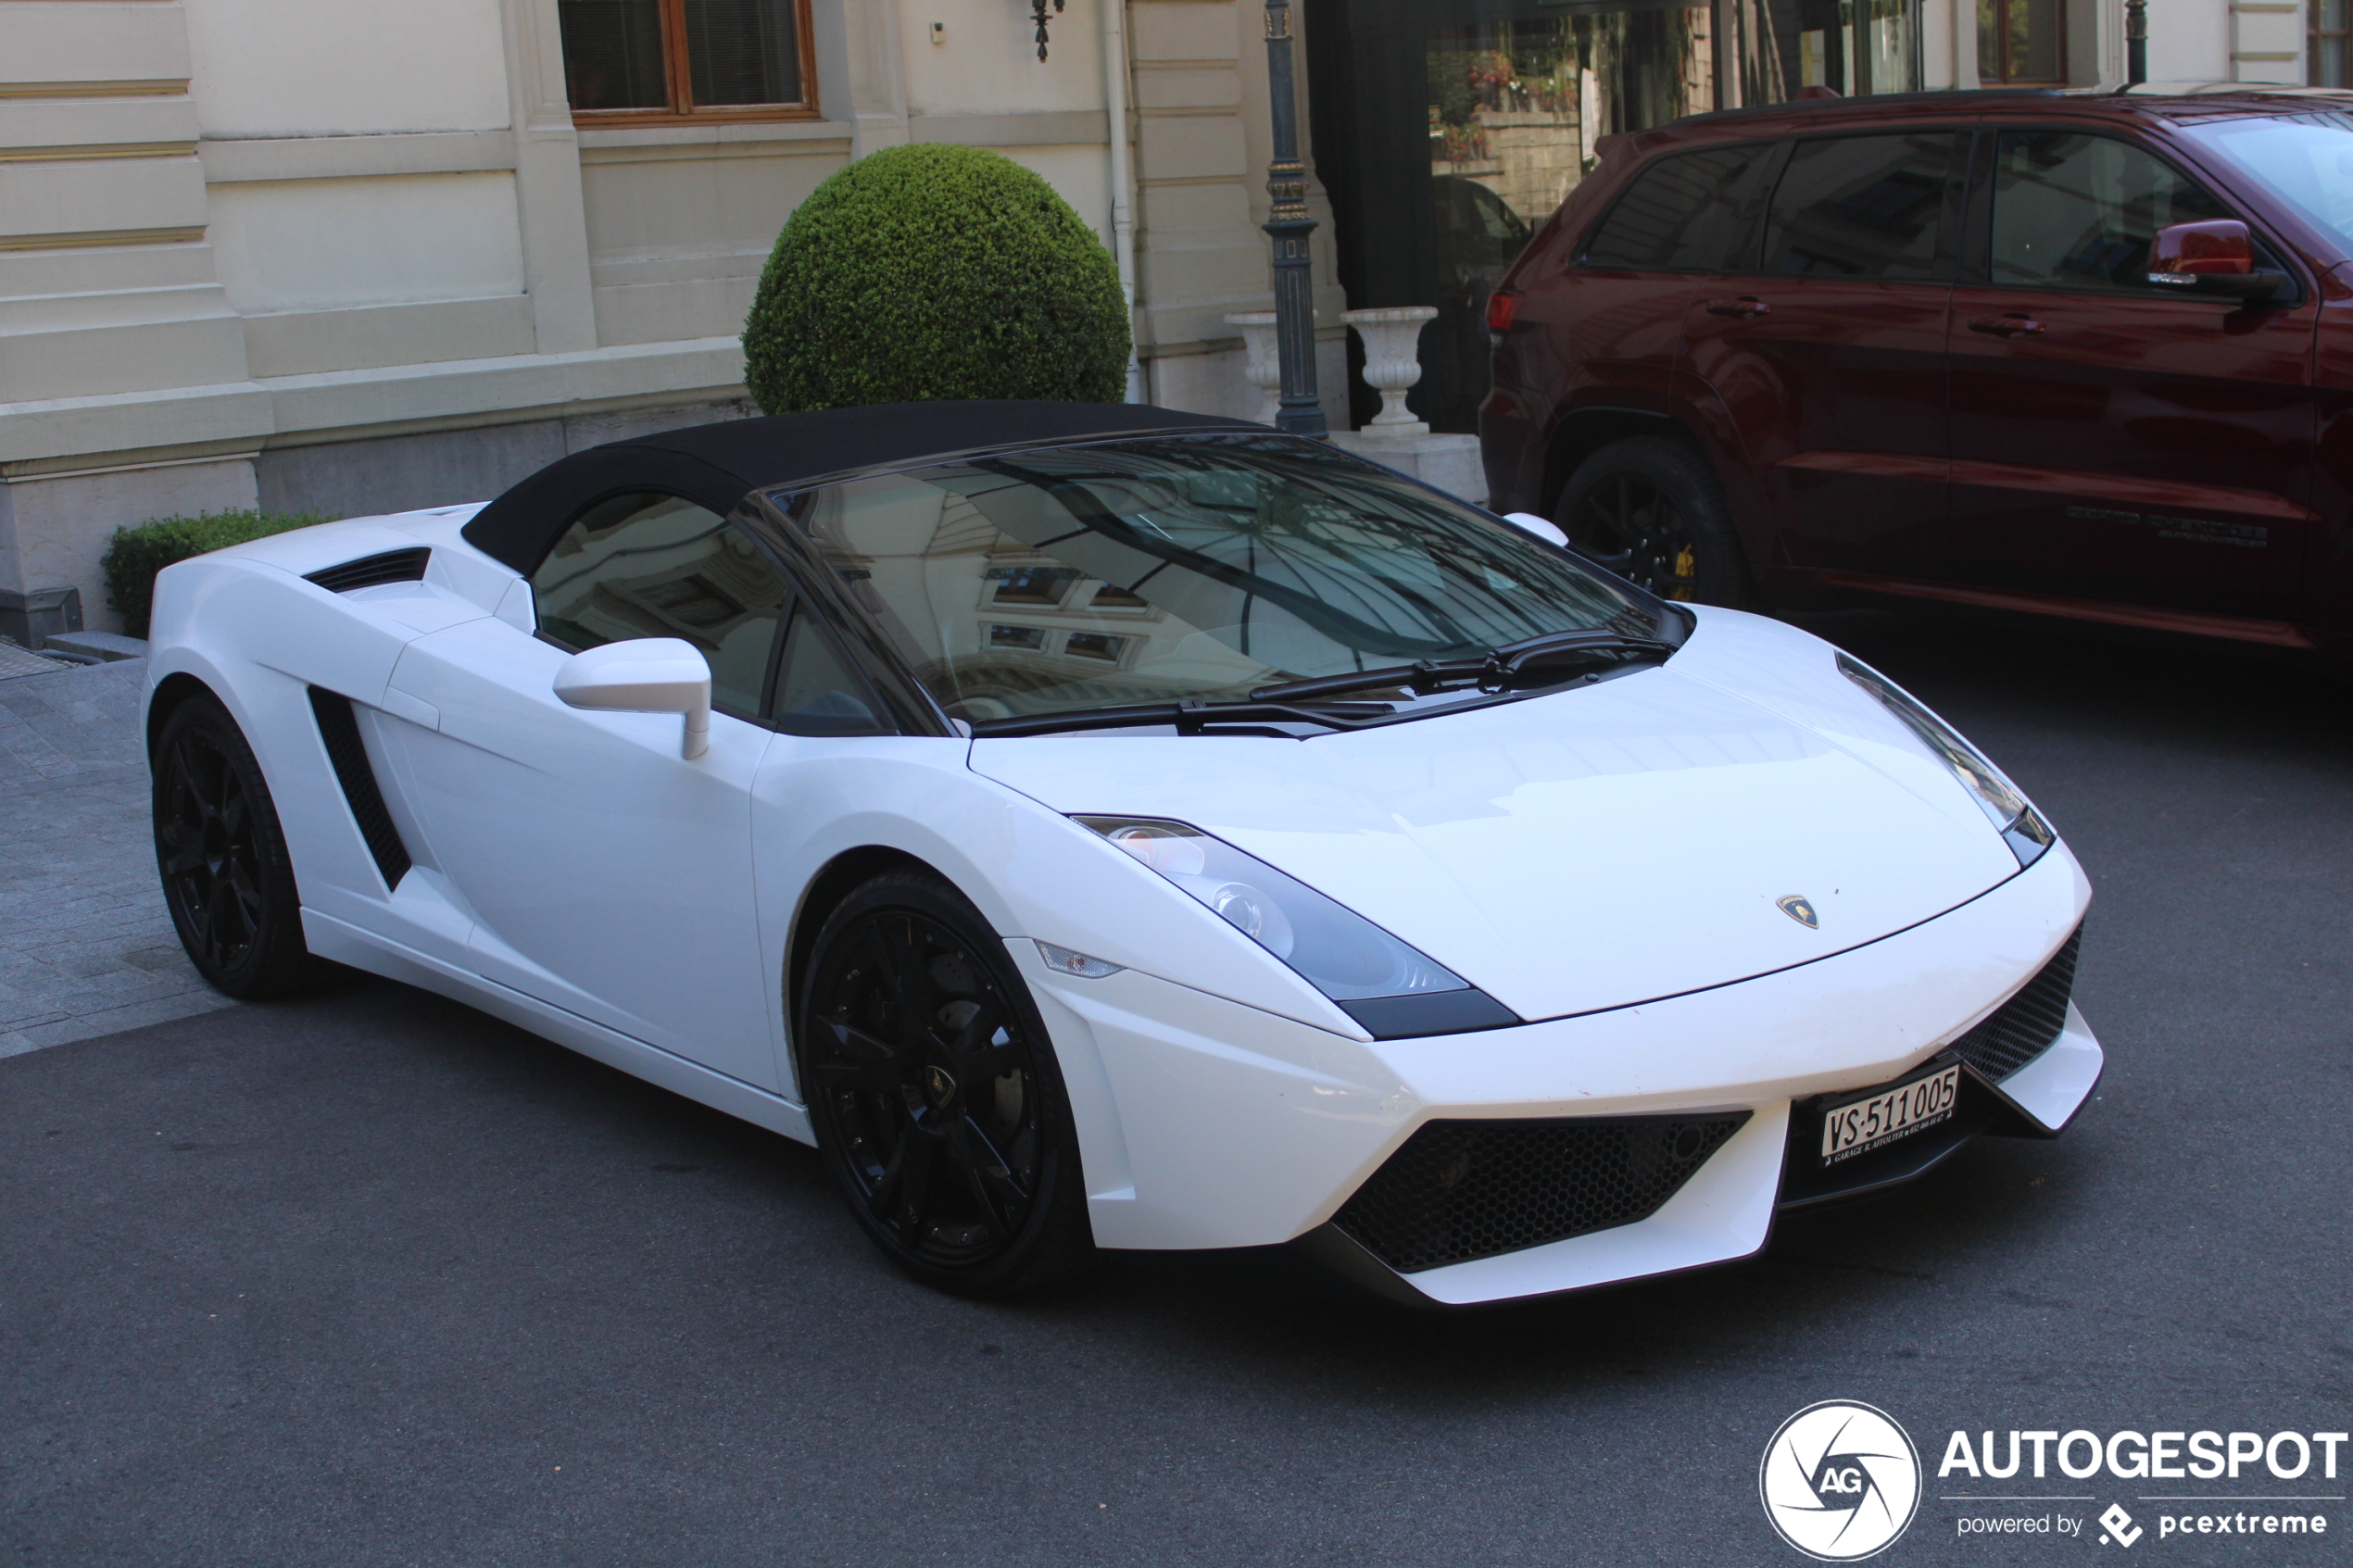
point(351, 256)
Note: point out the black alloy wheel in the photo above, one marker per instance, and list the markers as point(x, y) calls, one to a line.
point(935, 1094)
point(227, 878)
point(1628, 525)
point(1648, 508)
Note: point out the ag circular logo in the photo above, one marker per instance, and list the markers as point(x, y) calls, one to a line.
point(1840, 1480)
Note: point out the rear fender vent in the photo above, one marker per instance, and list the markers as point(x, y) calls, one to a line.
point(368, 571)
point(1459, 1190)
point(339, 728)
point(2025, 1027)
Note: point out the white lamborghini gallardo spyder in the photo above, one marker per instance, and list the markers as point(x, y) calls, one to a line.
point(1102, 827)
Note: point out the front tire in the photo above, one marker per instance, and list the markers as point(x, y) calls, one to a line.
point(1648, 508)
point(227, 878)
point(935, 1095)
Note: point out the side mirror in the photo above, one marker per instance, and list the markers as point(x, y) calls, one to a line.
point(1529, 522)
point(643, 675)
point(2216, 257)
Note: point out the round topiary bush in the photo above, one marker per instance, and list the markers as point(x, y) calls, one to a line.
point(933, 271)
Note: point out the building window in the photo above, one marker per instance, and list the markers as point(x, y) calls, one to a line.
point(2328, 51)
point(2021, 42)
point(646, 61)
point(1856, 48)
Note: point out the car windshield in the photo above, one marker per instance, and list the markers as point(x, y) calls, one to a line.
point(1179, 568)
point(2306, 160)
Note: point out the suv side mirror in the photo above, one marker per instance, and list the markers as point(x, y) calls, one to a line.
point(2216, 257)
point(643, 675)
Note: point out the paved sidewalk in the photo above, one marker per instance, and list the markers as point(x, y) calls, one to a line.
point(85, 945)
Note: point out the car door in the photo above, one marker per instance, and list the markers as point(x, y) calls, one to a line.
point(607, 873)
point(1826, 346)
point(2112, 439)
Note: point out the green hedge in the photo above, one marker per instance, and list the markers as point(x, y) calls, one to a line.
point(933, 271)
point(135, 554)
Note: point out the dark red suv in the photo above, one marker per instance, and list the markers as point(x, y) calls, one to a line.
point(2088, 355)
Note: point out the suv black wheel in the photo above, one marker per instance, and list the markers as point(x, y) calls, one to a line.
point(227, 878)
point(1647, 509)
point(935, 1094)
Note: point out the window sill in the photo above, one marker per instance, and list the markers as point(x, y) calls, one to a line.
point(682, 132)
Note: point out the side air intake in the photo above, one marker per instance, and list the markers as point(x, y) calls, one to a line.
point(393, 566)
point(339, 728)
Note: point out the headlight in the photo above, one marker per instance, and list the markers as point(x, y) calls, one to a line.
point(2011, 813)
point(1388, 986)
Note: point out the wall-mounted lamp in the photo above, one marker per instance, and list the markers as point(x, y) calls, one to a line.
point(1037, 14)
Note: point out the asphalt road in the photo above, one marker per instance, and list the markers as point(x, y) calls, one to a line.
point(367, 1278)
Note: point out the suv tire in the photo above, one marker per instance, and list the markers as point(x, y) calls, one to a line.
point(1648, 508)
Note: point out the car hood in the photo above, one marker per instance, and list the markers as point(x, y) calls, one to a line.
point(1591, 849)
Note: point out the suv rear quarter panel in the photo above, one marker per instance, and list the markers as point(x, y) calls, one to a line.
point(1598, 353)
point(1540, 368)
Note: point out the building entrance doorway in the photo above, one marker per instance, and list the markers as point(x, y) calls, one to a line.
point(1446, 133)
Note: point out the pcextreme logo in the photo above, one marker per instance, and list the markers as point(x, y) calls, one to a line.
point(1840, 1481)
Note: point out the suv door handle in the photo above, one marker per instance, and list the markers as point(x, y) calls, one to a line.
point(1746, 306)
point(2018, 323)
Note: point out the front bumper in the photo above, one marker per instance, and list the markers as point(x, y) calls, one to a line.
point(1206, 1124)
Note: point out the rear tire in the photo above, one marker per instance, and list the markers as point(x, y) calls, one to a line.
point(1648, 508)
point(935, 1095)
point(227, 878)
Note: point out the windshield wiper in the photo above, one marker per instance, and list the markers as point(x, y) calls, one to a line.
point(1510, 666)
point(1189, 718)
point(1502, 669)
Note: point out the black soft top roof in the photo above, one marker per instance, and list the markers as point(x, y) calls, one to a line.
point(717, 465)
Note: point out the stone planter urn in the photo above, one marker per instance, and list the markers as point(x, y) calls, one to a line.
point(1392, 363)
point(1262, 368)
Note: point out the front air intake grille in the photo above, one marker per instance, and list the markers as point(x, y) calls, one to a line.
point(348, 754)
point(393, 566)
point(1459, 1190)
point(2023, 1027)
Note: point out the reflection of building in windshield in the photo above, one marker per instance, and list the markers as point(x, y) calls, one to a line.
point(1053, 635)
point(669, 569)
point(1006, 628)
point(1178, 571)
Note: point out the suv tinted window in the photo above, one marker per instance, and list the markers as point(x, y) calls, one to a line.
point(1685, 212)
point(1862, 207)
point(2080, 211)
point(655, 566)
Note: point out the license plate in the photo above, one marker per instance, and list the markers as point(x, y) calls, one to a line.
point(1878, 1120)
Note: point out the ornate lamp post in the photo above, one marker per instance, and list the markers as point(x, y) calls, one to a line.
point(2136, 42)
point(1302, 412)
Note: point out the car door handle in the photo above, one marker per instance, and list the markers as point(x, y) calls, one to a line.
point(1743, 306)
point(2016, 324)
